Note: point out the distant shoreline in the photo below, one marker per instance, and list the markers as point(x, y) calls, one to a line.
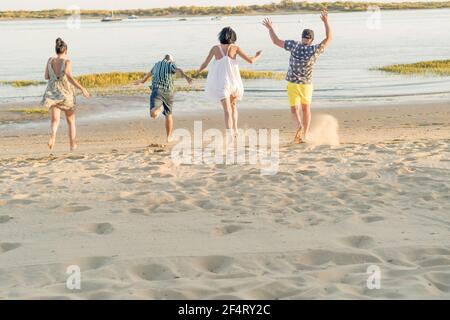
point(285, 7)
point(172, 16)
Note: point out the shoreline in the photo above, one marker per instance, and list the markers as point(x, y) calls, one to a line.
point(357, 124)
point(280, 13)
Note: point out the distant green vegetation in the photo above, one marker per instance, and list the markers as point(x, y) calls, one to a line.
point(32, 110)
point(111, 79)
point(117, 79)
point(121, 83)
point(284, 6)
point(245, 74)
point(22, 83)
point(434, 67)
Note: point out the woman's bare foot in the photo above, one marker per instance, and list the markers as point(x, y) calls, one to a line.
point(73, 146)
point(298, 135)
point(51, 142)
point(169, 139)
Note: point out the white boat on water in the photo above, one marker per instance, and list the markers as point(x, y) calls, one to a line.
point(133, 17)
point(111, 18)
point(217, 18)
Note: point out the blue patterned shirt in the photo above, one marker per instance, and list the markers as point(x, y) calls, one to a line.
point(302, 61)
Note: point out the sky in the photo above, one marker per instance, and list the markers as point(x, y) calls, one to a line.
point(132, 4)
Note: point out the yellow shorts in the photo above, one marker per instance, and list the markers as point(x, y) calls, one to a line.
point(299, 93)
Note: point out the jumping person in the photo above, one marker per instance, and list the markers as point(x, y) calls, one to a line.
point(224, 81)
point(161, 98)
point(303, 57)
point(60, 94)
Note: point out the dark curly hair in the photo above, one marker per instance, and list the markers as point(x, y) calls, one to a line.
point(60, 46)
point(227, 36)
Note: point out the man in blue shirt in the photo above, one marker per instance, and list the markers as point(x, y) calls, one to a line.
point(161, 98)
point(299, 77)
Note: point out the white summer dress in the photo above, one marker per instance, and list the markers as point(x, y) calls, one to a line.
point(224, 79)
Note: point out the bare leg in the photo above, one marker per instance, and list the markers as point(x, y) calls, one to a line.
point(70, 117)
point(306, 118)
point(297, 120)
point(169, 128)
point(154, 113)
point(234, 114)
point(227, 111)
point(56, 115)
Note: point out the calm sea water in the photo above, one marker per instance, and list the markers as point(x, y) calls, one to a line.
point(342, 74)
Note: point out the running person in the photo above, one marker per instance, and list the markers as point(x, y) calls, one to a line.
point(224, 83)
point(303, 57)
point(161, 98)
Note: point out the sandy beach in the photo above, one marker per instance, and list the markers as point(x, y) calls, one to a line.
point(372, 189)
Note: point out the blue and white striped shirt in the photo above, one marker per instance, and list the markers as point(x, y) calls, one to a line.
point(163, 73)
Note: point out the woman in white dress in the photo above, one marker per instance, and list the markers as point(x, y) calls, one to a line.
point(224, 81)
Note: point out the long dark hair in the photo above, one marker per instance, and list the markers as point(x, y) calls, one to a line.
point(227, 36)
point(60, 46)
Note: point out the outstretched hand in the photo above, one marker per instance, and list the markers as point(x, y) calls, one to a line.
point(324, 16)
point(267, 22)
point(197, 73)
point(86, 93)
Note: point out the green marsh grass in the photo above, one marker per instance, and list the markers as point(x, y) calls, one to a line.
point(433, 67)
point(22, 83)
point(117, 83)
point(32, 110)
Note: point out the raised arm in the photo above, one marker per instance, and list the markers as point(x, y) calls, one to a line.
point(328, 31)
point(147, 76)
point(276, 41)
point(73, 81)
point(184, 75)
point(207, 61)
point(247, 58)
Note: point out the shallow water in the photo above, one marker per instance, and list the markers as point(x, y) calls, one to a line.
point(342, 74)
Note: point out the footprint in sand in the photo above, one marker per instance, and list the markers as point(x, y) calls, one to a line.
point(222, 231)
point(153, 272)
point(155, 145)
point(215, 264)
point(102, 176)
point(370, 219)
point(320, 257)
point(89, 263)
point(357, 175)
point(75, 208)
point(128, 181)
point(5, 219)
point(330, 160)
point(20, 202)
point(136, 210)
point(100, 228)
point(4, 247)
point(75, 157)
point(359, 242)
point(309, 173)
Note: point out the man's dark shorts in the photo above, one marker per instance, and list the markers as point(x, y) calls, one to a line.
point(161, 97)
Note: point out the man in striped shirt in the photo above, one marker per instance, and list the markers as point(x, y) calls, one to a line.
point(161, 99)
